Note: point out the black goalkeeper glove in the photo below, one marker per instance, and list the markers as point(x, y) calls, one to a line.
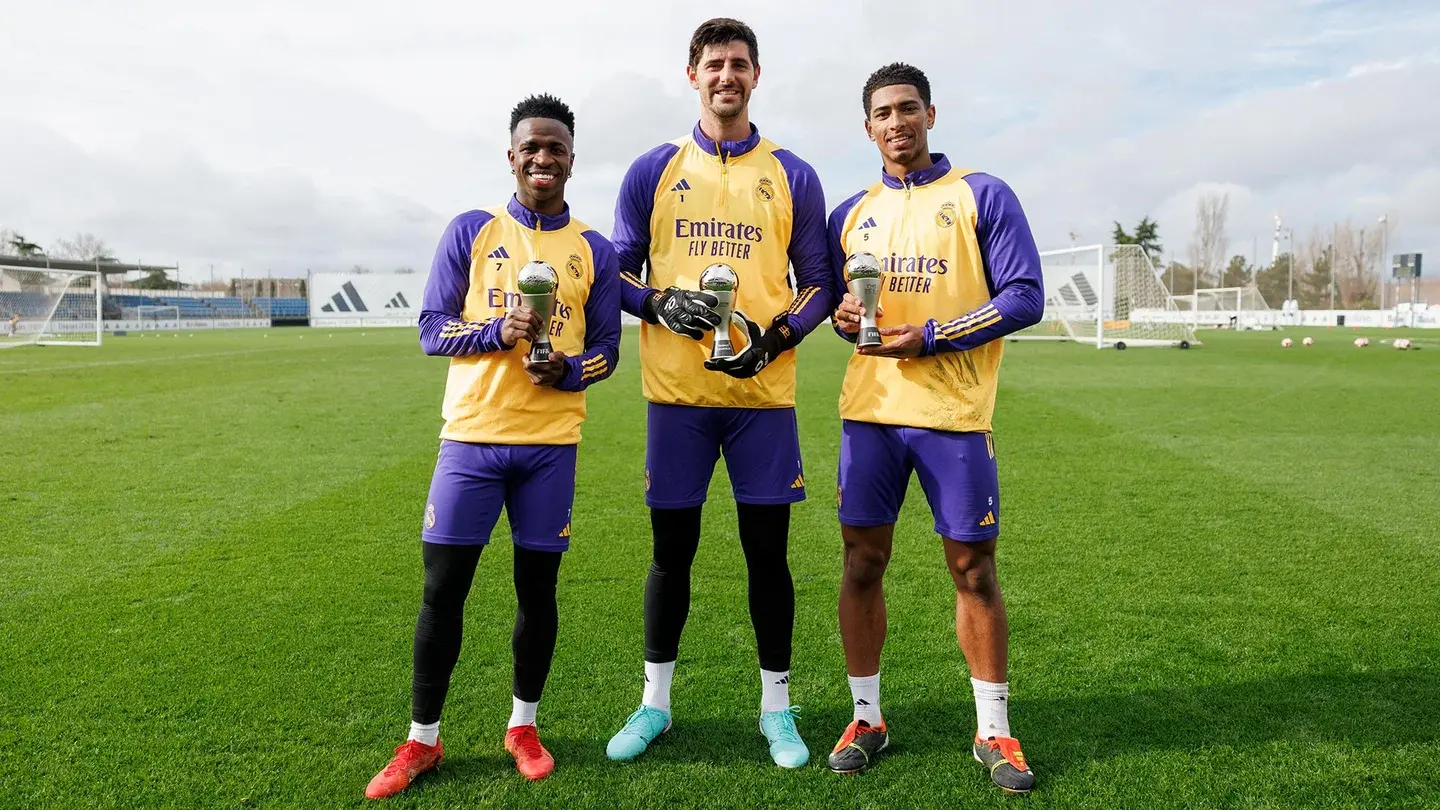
point(684, 312)
point(762, 347)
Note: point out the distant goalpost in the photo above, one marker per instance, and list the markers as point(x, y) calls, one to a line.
point(1092, 292)
point(1226, 307)
point(47, 307)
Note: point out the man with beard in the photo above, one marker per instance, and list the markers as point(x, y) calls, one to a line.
point(722, 194)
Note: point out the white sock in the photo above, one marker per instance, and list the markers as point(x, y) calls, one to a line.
point(774, 691)
point(657, 685)
point(522, 713)
point(866, 692)
point(427, 733)
point(992, 701)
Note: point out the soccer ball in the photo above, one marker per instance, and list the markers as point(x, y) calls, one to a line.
point(1402, 343)
point(1308, 341)
point(1361, 342)
point(1285, 344)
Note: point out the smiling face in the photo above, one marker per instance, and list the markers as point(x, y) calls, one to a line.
point(899, 124)
point(541, 155)
point(724, 75)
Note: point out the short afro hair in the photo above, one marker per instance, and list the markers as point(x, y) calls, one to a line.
point(542, 106)
point(896, 73)
point(722, 31)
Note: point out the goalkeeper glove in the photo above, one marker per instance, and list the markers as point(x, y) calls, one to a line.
point(762, 347)
point(684, 312)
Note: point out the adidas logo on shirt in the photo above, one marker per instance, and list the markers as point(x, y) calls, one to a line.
point(868, 223)
point(683, 185)
point(499, 253)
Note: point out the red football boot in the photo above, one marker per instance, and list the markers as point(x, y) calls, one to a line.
point(412, 758)
point(531, 758)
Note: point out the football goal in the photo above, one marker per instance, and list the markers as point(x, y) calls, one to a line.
point(1107, 295)
point(151, 312)
point(49, 307)
point(1226, 308)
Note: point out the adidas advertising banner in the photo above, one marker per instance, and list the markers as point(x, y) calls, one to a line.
point(365, 299)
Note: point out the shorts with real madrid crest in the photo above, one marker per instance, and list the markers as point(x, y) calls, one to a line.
point(957, 473)
point(535, 484)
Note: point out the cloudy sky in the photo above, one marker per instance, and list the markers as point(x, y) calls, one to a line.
point(285, 135)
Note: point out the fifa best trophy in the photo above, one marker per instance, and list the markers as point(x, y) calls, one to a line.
point(537, 283)
point(862, 278)
point(721, 281)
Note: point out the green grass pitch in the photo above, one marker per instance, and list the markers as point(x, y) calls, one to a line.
point(1222, 569)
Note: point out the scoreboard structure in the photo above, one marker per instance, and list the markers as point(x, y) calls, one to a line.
point(1405, 265)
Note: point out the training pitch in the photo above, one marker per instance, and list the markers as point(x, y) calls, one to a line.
point(1222, 571)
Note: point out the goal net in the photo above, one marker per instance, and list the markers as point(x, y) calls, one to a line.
point(49, 307)
point(151, 312)
point(1227, 307)
point(1107, 295)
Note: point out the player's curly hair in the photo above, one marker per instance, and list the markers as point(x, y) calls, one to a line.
point(542, 106)
point(896, 73)
point(722, 31)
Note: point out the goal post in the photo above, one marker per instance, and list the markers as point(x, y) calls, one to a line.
point(1107, 295)
point(1226, 307)
point(151, 312)
point(49, 307)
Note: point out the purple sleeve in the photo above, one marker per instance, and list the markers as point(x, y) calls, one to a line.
point(1012, 272)
point(835, 245)
point(814, 287)
point(602, 321)
point(442, 330)
point(631, 234)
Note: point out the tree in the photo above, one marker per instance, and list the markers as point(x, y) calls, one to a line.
point(85, 247)
point(1147, 236)
point(21, 246)
point(1238, 272)
point(1179, 278)
point(1272, 281)
point(1210, 243)
point(1357, 254)
point(1313, 272)
point(156, 280)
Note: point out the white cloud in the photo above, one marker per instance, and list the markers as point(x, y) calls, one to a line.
point(283, 136)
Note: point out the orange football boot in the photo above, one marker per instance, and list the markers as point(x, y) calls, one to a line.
point(412, 758)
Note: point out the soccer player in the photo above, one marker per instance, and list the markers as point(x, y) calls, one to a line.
point(12, 325)
point(721, 194)
point(511, 424)
point(960, 271)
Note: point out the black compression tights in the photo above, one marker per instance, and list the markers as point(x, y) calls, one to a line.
point(449, 570)
point(764, 533)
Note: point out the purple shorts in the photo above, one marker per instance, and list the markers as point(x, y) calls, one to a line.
point(534, 483)
point(683, 442)
point(957, 474)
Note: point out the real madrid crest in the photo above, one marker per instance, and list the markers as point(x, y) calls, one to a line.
point(765, 190)
point(429, 515)
point(945, 217)
point(575, 266)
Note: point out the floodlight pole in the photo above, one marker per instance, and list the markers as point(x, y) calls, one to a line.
point(1290, 266)
point(1334, 238)
point(1384, 249)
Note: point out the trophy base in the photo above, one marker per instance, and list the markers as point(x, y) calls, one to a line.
point(723, 350)
point(540, 352)
point(869, 336)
